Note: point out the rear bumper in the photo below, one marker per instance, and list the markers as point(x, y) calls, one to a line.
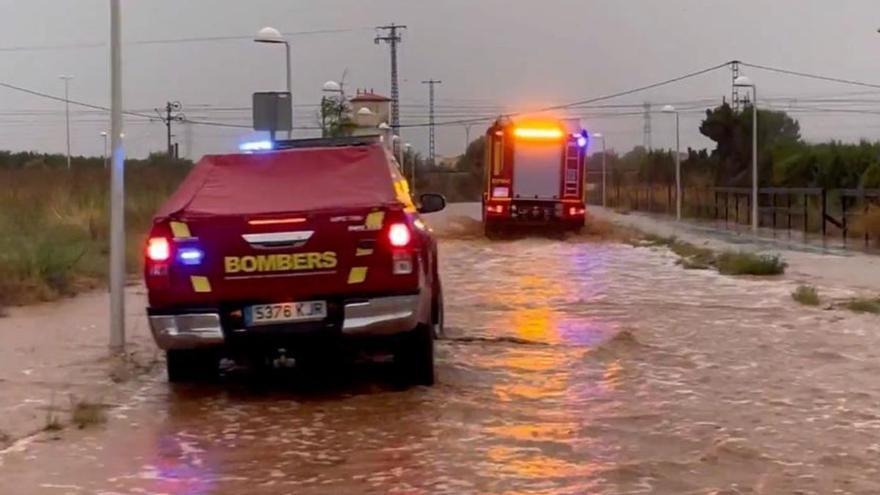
point(376, 317)
point(535, 213)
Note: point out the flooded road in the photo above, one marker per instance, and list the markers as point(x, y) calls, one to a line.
point(569, 367)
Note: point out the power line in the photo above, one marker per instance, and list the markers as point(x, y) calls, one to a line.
point(811, 76)
point(591, 100)
point(173, 40)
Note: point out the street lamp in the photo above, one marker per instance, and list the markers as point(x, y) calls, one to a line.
point(273, 36)
point(104, 135)
point(67, 80)
point(671, 110)
point(601, 136)
point(745, 82)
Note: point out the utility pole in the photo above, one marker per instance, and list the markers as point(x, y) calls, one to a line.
point(392, 36)
point(117, 185)
point(735, 98)
point(172, 114)
point(646, 138)
point(431, 142)
point(67, 80)
point(467, 136)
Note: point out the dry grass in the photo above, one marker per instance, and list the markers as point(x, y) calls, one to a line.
point(806, 295)
point(869, 223)
point(53, 423)
point(54, 227)
point(864, 305)
point(85, 414)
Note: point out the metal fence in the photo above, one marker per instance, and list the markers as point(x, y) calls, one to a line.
point(840, 213)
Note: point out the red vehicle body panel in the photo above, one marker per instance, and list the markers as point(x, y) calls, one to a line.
point(284, 181)
point(342, 200)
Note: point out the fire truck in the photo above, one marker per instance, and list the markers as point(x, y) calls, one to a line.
point(534, 175)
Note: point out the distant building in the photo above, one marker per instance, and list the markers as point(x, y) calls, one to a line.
point(447, 162)
point(378, 109)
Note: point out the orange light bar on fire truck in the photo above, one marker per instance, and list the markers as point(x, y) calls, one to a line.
point(539, 133)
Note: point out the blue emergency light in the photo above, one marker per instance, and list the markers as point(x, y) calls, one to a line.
point(257, 146)
point(190, 256)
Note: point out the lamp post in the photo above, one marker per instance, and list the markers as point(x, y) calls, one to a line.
point(601, 136)
point(117, 184)
point(104, 135)
point(671, 110)
point(273, 36)
point(412, 166)
point(745, 82)
point(67, 80)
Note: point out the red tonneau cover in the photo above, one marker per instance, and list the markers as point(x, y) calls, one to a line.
point(284, 181)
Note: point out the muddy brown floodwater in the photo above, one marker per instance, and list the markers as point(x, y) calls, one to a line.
point(570, 367)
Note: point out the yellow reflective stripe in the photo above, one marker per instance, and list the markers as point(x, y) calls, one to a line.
point(364, 252)
point(375, 220)
point(200, 284)
point(180, 230)
point(357, 275)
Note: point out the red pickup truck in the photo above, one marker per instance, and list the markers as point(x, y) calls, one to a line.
point(315, 245)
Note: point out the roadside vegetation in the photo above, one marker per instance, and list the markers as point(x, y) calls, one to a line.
point(806, 295)
point(694, 257)
point(745, 263)
point(863, 305)
point(54, 222)
point(86, 414)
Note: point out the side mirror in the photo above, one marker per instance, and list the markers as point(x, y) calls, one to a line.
point(431, 203)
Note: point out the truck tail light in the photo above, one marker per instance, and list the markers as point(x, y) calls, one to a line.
point(158, 249)
point(500, 192)
point(576, 212)
point(399, 235)
point(496, 209)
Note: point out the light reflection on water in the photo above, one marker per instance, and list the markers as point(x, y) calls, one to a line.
point(571, 367)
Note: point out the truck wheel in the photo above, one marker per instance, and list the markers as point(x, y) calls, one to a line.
point(191, 365)
point(415, 356)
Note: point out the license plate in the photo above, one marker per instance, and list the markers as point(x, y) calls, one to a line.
point(269, 314)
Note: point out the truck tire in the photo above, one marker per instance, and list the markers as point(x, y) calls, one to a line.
point(191, 366)
point(414, 358)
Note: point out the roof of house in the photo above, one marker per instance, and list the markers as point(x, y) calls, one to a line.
point(369, 96)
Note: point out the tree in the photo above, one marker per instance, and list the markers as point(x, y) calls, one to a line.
point(732, 132)
point(336, 118)
point(871, 177)
point(472, 161)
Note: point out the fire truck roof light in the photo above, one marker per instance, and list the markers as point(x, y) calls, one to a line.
point(582, 141)
point(538, 133)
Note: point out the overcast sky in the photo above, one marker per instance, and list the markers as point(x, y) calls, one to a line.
point(492, 55)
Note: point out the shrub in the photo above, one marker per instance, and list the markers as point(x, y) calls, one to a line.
point(806, 295)
point(86, 414)
point(743, 263)
point(864, 305)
